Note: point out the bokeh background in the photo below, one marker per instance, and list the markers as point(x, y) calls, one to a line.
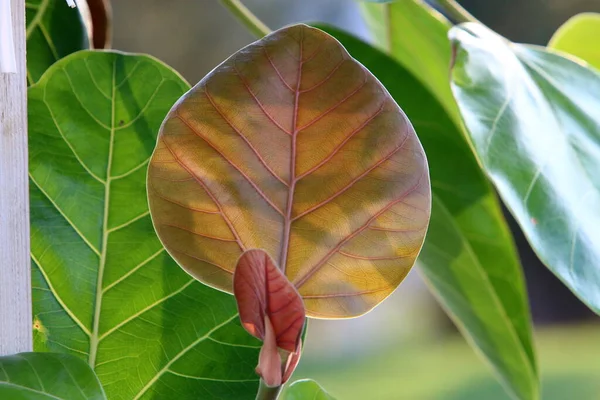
point(406, 348)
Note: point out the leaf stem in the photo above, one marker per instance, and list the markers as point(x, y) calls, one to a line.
point(456, 11)
point(266, 392)
point(247, 18)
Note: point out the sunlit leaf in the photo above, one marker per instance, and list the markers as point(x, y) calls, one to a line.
point(416, 35)
point(33, 376)
point(306, 389)
point(293, 147)
point(468, 258)
point(579, 37)
point(104, 288)
point(54, 30)
point(534, 122)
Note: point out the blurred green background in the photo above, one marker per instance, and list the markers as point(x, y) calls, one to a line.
point(406, 348)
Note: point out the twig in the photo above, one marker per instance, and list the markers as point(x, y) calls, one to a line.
point(247, 18)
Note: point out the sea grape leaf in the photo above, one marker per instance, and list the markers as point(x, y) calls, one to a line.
point(306, 389)
point(104, 288)
point(45, 376)
point(579, 37)
point(54, 30)
point(416, 35)
point(533, 119)
point(293, 147)
point(468, 258)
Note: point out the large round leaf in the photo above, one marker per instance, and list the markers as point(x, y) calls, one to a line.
point(579, 37)
point(47, 376)
point(468, 258)
point(534, 120)
point(54, 30)
point(104, 288)
point(293, 147)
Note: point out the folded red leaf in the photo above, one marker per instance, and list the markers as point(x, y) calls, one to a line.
point(261, 290)
point(292, 362)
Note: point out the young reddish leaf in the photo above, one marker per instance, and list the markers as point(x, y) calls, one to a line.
point(294, 147)
point(270, 309)
point(101, 16)
point(264, 293)
point(269, 359)
point(292, 362)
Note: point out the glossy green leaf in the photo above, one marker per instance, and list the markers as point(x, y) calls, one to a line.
point(104, 288)
point(468, 257)
point(579, 37)
point(534, 122)
point(47, 376)
point(306, 389)
point(293, 147)
point(416, 36)
point(54, 30)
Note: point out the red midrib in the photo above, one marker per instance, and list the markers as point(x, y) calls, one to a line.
point(285, 244)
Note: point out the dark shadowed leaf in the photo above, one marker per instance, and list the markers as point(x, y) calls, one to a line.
point(47, 376)
point(54, 30)
point(579, 37)
point(534, 120)
point(293, 147)
point(104, 288)
point(468, 258)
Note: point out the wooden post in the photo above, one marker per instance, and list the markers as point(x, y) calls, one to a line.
point(15, 275)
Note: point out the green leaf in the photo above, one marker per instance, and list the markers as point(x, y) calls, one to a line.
point(306, 389)
point(45, 376)
point(468, 257)
point(54, 30)
point(104, 288)
point(534, 122)
point(416, 36)
point(579, 37)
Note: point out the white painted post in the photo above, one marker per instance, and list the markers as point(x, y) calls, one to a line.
point(15, 275)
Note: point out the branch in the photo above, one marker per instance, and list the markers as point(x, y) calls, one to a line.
point(455, 11)
point(247, 18)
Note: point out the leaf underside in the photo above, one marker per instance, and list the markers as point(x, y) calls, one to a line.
point(104, 289)
point(468, 258)
point(534, 122)
point(293, 147)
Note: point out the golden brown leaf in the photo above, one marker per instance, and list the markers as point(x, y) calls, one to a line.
point(293, 147)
